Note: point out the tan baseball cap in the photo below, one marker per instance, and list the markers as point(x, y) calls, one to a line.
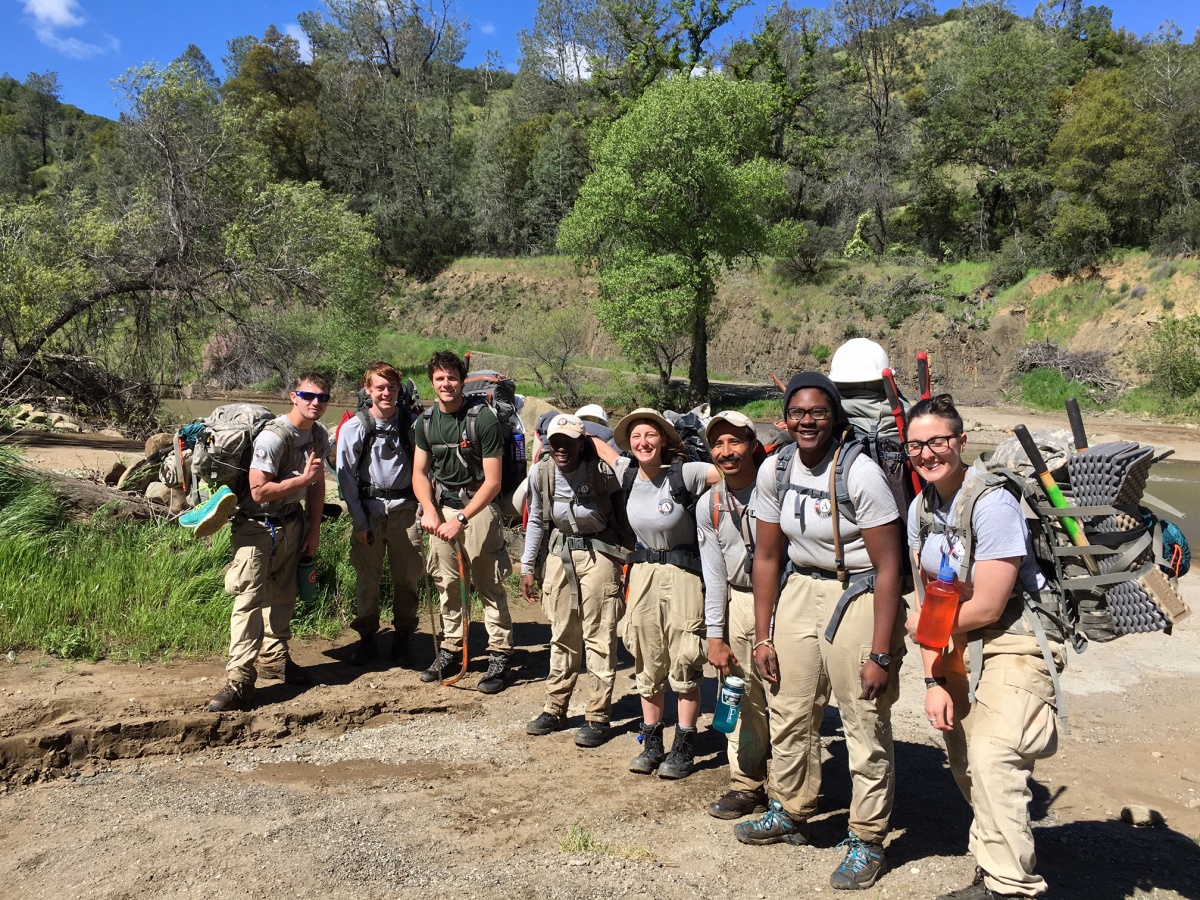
point(730, 416)
point(566, 424)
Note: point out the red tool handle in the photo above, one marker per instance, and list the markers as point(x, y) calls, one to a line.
point(893, 398)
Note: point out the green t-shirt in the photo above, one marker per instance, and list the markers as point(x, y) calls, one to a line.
point(454, 468)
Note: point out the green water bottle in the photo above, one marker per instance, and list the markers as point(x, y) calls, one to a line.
point(306, 578)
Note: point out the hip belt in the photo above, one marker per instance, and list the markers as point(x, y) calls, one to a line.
point(687, 558)
point(561, 545)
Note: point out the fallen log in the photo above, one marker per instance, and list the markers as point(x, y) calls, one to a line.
point(83, 499)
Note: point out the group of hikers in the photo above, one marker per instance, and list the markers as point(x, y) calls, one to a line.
point(786, 570)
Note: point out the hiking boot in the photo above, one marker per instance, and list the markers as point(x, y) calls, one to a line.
point(771, 827)
point(495, 679)
point(738, 804)
point(287, 672)
point(401, 654)
point(653, 752)
point(592, 734)
point(210, 516)
point(444, 665)
point(231, 697)
point(680, 761)
point(546, 723)
point(976, 890)
point(861, 868)
point(365, 651)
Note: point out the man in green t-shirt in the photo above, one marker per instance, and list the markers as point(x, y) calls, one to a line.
point(457, 481)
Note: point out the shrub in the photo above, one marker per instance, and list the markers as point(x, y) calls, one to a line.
point(821, 352)
point(1171, 356)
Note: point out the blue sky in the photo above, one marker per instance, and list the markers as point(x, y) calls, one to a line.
point(91, 42)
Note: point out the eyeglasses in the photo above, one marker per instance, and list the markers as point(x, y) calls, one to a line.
point(310, 396)
point(817, 413)
point(939, 444)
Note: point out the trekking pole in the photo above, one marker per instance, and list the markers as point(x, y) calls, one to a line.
point(893, 399)
point(923, 375)
point(1054, 494)
point(466, 614)
point(1075, 417)
point(467, 360)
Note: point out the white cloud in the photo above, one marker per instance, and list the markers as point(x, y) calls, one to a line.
point(295, 32)
point(487, 28)
point(47, 17)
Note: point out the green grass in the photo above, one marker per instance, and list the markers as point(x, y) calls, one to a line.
point(965, 276)
point(582, 840)
point(763, 410)
point(1058, 314)
point(1048, 389)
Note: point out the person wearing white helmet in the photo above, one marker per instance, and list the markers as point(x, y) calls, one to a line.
point(858, 361)
point(593, 412)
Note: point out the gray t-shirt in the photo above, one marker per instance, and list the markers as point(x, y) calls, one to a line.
point(389, 467)
point(286, 457)
point(657, 520)
point(808, 522)
point(723, 550)
point(570, 499)
point(1001, 532)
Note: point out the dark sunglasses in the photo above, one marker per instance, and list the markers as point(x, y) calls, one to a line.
point(310, 396)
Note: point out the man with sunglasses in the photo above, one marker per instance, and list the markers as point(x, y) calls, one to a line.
point(271, 532)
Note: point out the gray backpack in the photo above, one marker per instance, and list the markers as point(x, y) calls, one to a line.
point(216, 450)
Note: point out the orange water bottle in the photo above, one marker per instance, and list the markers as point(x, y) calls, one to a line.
point(939, 609)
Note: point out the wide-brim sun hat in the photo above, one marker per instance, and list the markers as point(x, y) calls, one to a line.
point(645, 413)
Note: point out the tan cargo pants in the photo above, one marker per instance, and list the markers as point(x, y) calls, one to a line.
point(991, 752)
point(664, 628)
point(262, 581)
point(810, 669)
point(750, 739)
point(591, 627)
point(487, 565)
point(392, 534)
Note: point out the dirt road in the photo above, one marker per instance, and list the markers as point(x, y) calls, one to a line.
point(370, 784)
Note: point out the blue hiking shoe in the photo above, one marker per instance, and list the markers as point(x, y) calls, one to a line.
point(772, 827)
point(211, 515)
point(861, 868)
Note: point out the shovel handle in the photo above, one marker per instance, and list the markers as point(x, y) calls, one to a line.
point(1075, 417)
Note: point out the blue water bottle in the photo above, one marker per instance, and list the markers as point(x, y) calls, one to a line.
point(518, 448)
point(729, 704)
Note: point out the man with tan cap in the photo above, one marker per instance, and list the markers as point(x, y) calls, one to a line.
point(577, 524)
point(725, 533)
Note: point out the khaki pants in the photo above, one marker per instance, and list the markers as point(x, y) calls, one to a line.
point(750, 739)
point(810, 668)
point(393, 535)
point(487, 565)
point(592, 627)
point(992, 750)
point(664, 628)
point(262, 580)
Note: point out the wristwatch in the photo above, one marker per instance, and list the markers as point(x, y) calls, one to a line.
point(462, 519)
point(883, 660)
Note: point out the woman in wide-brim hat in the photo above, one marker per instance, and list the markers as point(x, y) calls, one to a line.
point(664, 612)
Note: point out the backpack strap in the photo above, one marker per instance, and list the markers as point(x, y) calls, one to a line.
point(370, 430)
point(679, 489)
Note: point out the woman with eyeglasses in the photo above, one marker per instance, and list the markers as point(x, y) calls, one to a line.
point(827, 512)
point(995, 733)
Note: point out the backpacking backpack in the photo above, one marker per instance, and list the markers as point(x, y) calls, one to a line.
point(215, 450)
point(870, 416)
point(690, 427)
point(408, 406)
point(499, 392)
point(1133, 588)
point(600, 483)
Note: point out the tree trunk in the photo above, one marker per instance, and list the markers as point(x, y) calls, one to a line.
point(83, 498)
point(698, 369)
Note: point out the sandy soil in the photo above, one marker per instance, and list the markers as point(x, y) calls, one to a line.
point(116, 783)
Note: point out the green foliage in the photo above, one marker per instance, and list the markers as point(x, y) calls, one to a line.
point(821, 353)
point(1171, 356)
point(551, 343)
point(681, 188)
point(1048, 389)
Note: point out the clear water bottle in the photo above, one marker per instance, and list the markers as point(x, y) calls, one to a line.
point(729, 704)
point(306, 579)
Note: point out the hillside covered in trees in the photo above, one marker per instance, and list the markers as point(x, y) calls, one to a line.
point(250, 224)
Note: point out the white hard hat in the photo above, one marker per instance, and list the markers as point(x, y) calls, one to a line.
point(593, 412)
point(858, 360)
